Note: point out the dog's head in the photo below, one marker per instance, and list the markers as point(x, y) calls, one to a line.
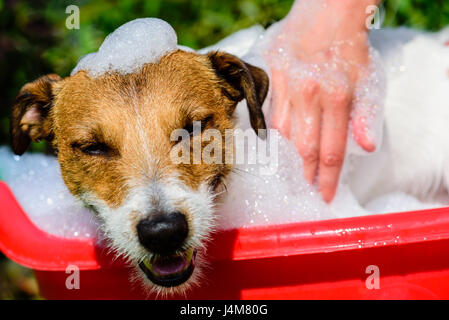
point(113, 136)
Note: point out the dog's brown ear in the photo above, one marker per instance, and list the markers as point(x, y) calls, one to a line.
point(29, 119)
point(245, 81)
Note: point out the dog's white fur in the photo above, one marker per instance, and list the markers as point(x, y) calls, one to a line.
point(414, 157)
point(119, 225)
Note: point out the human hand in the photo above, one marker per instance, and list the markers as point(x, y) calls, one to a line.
point(316, 65)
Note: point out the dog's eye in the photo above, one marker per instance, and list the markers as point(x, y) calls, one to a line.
point(95, 149)
point(189, 128)
point(204, 122)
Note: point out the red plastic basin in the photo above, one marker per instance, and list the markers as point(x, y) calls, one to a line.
point(310, 260)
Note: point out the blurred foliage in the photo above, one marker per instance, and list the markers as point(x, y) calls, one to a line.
point(34, 41)
point(421, 14)
point(16, 282)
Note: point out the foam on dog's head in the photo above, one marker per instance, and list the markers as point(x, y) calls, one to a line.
point(130, 46)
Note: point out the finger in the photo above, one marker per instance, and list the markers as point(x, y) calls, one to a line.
point(336, 111)
point(305, 103)
point(360, 131)
point(281, 104)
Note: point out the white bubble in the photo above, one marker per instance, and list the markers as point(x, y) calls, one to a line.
point(43, 195)
point(131, 46)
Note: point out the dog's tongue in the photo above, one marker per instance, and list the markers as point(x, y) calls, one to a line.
point(169, 266)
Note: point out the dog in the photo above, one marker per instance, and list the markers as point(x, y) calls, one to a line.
point(111, 135)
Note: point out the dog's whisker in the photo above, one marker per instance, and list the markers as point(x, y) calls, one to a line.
point(242, 173)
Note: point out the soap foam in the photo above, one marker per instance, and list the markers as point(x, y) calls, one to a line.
point(398, 202)
point(239, 43)
point(35, 180)
point(130, 46)
point(254, 199)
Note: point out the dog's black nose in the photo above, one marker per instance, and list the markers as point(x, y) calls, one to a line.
point(163, 233)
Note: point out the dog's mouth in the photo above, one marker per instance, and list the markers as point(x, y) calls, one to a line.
point(169, 271)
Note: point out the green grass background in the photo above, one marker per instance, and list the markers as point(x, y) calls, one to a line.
point(34, 41)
